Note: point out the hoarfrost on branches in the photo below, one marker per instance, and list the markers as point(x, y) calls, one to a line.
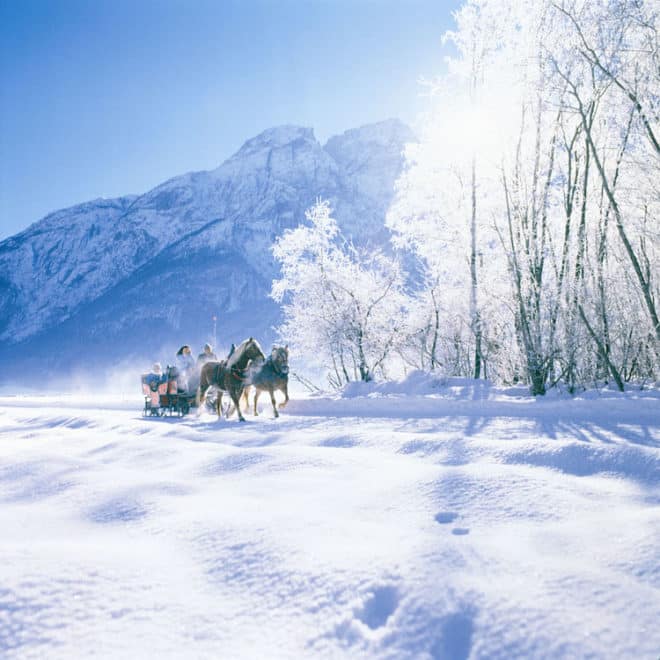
point(529, 207)
point(344, 307)
point(532, 198)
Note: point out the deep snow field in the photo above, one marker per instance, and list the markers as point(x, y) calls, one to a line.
point(412, 520)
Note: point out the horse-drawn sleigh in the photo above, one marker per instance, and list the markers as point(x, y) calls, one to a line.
point(247, 367)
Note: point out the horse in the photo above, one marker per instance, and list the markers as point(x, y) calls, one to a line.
point(229, 375)
point(268, 376)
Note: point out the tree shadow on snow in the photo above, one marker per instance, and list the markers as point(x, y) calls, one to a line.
point(591, 431)
point(572, 428)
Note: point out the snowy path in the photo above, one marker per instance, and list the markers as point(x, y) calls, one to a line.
point(383, 526)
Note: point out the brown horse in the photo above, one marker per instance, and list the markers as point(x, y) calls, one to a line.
point(229, 375)
point(269, 376)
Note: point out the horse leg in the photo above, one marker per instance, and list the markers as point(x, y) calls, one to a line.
point(200, 398)
point(257, 392)
point(245, 398)
point(272, 400)
point(233, 397)
point(218, 403)
point(285, 389)
point(237, 404)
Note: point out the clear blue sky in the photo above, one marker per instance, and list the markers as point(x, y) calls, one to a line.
point(100, 98)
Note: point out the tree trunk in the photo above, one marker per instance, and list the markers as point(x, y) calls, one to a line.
point(601, 350)
point(476, 320)
point(643, 282)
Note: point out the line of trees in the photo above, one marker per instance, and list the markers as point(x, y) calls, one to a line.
point(530, 205)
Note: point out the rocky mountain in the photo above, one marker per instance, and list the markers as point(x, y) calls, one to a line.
point(135, 276)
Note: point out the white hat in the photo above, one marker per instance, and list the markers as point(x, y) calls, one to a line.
point(157, 368)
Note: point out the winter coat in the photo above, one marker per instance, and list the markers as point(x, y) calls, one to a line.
point(153, 377)
point(185, 363)
point(203, 358)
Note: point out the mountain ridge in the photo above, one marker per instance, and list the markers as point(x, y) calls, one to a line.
point(59, 268)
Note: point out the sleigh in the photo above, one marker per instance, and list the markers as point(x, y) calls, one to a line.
point(162, 395)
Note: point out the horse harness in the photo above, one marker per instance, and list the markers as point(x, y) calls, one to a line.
point(216, 372)
point(221, 367)
point(238, 374)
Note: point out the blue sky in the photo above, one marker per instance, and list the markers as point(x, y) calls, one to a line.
point(100, 98)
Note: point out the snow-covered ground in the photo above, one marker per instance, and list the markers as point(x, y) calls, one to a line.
point(396, 521)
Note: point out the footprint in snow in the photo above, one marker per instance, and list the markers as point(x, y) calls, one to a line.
point(460, 531)
point(455, 632)
point(445, 517)
point(378, 609)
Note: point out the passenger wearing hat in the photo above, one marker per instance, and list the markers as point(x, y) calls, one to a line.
point(207, 356)
point(156, 375)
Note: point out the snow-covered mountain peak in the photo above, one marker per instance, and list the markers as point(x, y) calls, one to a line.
point(278, 136)
point(390, 132)
point(289, 154)
point(370, 158)
point(196, 244)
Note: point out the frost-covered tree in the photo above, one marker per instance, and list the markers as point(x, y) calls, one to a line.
point(436, 211)
point(444, 203)
point(343, 307)
point(612, 78)
point(543, 133)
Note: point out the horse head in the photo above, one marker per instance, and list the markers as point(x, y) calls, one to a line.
point(279, 356)
point(247, 350)
point(253, 350)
